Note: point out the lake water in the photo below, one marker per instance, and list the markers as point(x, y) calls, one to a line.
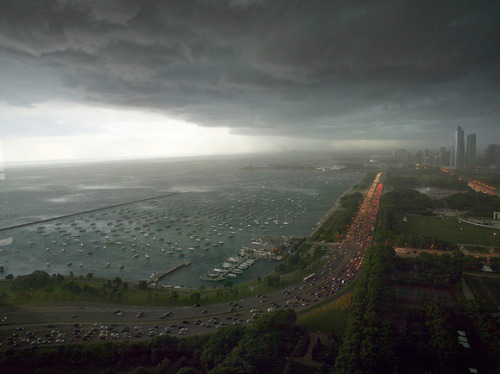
point(204, 210)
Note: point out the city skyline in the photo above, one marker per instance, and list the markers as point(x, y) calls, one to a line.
point(85, 80)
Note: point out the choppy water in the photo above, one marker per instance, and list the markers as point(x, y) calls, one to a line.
point(199, 204)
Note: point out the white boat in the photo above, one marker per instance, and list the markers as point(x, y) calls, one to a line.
point(213, 277)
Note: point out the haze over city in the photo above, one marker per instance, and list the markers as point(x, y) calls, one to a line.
point(108, 80)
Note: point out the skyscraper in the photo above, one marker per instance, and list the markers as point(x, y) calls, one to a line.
point(470, 153)
point(459, 148)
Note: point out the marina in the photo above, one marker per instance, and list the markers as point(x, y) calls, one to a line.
point(193, 215)
point(231, 268)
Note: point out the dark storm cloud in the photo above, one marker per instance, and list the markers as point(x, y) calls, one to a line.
point(342, 69)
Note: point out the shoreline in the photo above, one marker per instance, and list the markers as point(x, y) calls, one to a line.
point(335, 206)
point(134, 282)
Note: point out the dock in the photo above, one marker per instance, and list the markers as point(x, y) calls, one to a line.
point(157, 277)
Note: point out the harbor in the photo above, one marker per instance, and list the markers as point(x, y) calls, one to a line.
point(207, 224)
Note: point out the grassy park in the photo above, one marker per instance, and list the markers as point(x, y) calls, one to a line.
point(105, 291)
point(330, 318)
point(450, 229)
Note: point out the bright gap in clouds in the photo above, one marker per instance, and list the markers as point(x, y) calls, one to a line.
point(62, 131)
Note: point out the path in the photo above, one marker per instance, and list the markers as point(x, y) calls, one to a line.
point(466, 290)
point(307, 359)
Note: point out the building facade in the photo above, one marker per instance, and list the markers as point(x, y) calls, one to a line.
point(459, 148)
point(470, 153)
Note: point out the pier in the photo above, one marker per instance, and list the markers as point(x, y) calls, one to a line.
point(157, 277)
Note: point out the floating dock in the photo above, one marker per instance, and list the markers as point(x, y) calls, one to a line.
point(157, 277)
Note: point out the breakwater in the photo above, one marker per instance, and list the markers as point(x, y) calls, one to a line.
point(86, 212)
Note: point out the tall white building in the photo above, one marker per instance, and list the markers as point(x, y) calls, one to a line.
point(459, 148)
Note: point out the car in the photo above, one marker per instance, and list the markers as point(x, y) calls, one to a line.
point(204, 311)
point(139, 315)
point(196, 305)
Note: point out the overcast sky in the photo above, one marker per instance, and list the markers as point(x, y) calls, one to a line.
point(114, 79)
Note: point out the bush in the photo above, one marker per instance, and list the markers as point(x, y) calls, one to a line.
point(35, 280)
